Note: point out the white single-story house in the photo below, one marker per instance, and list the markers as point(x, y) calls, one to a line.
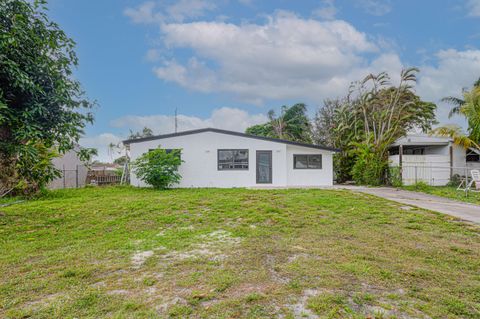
point(219, 158)
point(431, 159)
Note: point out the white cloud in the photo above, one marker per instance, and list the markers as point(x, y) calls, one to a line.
point(473, 7)
point(226, 118)
point(183, 9)
point(375, 7)
point(144, 13)
point(178, 11)
point(288, 57)
point(327, 11)
point(101, 143)
point(195, 75)
point(454, 71)
point(285, 58)
point(153, 55)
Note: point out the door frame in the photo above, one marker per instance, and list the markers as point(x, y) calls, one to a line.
point(269, 152)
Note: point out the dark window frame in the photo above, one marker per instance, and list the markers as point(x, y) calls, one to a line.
point(308, 161)
point(233, 169)
point(472, 157)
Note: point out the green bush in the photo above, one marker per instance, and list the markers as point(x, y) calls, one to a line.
point(395, 176)
point(421, 186)
point(342, 164)
point(158, 168)
point(455, 180)
point(369, 167)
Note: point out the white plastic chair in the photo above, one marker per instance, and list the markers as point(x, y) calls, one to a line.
point(475, 173)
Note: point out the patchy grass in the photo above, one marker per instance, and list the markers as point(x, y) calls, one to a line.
point(446, 191)
point(211, 253)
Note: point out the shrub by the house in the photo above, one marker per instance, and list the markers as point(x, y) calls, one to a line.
point(159, 168)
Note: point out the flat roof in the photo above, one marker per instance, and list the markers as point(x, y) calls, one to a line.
point(422, 140)
point(220, 131)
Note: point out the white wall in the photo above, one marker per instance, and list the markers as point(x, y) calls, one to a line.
point(437, 150)
point(459, 160)
point(306, 177)
point(199, 151)
point(74, 169)
point(431, 169)
point(434, 168)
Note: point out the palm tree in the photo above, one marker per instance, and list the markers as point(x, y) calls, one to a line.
point(456, 133)
point(469, 107)
point(291, 124)
point(458, 102)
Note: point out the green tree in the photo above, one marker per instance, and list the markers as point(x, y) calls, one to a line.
point(458, 102)
point(146, 132)
point(469, 107)
point(336, 125)
point(120, 160)
point(374, 114)
point(43, 109)
point(158, 168)
point(261, 130)
point(292, 124)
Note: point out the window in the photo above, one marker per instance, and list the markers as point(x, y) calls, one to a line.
point(473, 157)
point(307, 161)
point(232, 160)
point(414, 151)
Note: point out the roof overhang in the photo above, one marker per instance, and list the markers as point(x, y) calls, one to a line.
point(421, 144)
point(475, 150)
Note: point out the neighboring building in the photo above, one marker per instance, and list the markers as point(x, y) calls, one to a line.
point(431, 159)
point(74, 171)
point(219, 158)
point(106, 167)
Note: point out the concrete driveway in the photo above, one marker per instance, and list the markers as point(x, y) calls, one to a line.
point(465, 211)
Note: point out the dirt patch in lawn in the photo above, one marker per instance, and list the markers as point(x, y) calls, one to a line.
point(213, 246)
point(139, 258)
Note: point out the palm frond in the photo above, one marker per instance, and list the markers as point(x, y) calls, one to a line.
point(453, 100)
point(409, 74)
point(454, 111)
point(455, 132)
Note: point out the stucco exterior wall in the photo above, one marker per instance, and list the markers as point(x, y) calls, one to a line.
point(309, 177)
point(199, 153)
point(459, 159)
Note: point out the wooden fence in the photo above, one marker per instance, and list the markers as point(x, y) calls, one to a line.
point(101, 178)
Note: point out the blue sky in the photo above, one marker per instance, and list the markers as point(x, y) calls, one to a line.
point(226, 63)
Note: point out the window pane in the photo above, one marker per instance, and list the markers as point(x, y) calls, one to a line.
point(232, 159)
point(300, 161)
point(311, 161)
point(225, 156)
point(241, 156)
point(315, 161)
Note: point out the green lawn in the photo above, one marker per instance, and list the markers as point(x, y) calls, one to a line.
point(211, 253)
point(446, 191)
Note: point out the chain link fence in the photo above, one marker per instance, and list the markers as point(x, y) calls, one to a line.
point(70, 178)
point(435, 175)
